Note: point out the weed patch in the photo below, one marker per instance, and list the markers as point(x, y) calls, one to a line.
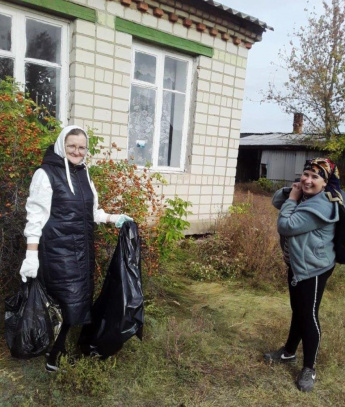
point(89, 376)
point(245, 246)
point(204, 351)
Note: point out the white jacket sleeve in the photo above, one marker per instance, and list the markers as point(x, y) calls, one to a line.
point(99, 216)
point(38, 206)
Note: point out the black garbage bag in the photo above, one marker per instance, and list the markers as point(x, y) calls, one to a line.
point(32, 321)
point(118, 312)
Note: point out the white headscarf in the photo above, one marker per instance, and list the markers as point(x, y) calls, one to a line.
point(59, 149)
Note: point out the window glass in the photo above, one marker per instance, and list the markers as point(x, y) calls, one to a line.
point(6, 67)
point(171, 129)
point(34, 51)
point(43, 41)
point(145, 67)
point(159, 108)
point(175, 74)
point(5, 32)
point(42, 85)
point(141, 124)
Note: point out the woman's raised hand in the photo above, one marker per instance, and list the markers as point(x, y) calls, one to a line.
point(296, 192)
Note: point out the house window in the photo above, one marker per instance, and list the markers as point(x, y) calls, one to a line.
point(33, 50)
point(159, 106)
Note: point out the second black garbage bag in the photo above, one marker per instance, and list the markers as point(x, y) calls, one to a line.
point(118, 312)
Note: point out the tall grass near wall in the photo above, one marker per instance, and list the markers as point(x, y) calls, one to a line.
point(246, 244)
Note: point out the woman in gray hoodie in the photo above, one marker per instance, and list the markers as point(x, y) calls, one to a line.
point(306, 224)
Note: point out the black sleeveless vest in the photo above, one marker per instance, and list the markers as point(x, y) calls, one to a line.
point(66, 249)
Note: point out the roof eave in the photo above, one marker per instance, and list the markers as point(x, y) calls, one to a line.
point(239, 14)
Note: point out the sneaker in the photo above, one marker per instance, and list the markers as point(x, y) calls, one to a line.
point(306, 379)
point(279, 356)
point(53, 362)
point(94, 352)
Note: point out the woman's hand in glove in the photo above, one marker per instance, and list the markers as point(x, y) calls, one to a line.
point(30, 265)
point(119, 220)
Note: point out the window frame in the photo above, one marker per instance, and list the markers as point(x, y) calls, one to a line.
point(18, 16)
point(160, 53)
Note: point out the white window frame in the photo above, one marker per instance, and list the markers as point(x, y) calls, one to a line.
point(160, 54)
point(17, 53)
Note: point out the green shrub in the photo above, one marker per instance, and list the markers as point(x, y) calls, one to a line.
point(265, 184)
point(239, 208)
point(202, 272)
point(172, 224)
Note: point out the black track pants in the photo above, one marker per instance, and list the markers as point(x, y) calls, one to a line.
point(305, 299)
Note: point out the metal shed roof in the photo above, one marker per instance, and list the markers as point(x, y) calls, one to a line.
point(274, 139)
point(234, 12)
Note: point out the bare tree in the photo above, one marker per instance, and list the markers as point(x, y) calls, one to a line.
point(316, 74)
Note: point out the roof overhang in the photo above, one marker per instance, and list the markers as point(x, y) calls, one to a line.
point(235, 21)
point(235, 13)
point(281, 141)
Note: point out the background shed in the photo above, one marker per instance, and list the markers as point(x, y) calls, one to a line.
point(275, 156)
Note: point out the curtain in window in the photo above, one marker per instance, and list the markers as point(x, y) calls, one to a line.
point(141, 124)
point(157, 109)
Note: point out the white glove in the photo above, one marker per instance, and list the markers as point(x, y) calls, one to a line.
point(30, 265)
point(119, 220)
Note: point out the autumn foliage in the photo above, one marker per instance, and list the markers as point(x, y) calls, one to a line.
point(25, 132)
point(123, 189)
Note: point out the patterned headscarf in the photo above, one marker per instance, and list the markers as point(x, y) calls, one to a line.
point(328, 170)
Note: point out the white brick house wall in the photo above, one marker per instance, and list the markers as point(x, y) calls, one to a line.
point(100, 64)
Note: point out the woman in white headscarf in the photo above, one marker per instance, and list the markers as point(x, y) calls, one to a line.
point(61, 210)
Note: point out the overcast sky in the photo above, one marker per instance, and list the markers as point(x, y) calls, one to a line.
point(283, 16)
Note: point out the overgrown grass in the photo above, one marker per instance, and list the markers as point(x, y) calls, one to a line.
point(202, 347)
point(263, 186)
point(246, 245)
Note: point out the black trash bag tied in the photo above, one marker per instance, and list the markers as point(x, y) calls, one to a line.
point(32, 321)
point(118, 312)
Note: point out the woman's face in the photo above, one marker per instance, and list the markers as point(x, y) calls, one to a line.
point(75, 147)
point(312, 183)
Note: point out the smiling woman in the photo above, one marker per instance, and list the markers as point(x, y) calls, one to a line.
point(312, 183)
point(308, 215)
point(61, 209)
point(76, 147)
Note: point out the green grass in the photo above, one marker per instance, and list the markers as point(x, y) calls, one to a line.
point(202, 347)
